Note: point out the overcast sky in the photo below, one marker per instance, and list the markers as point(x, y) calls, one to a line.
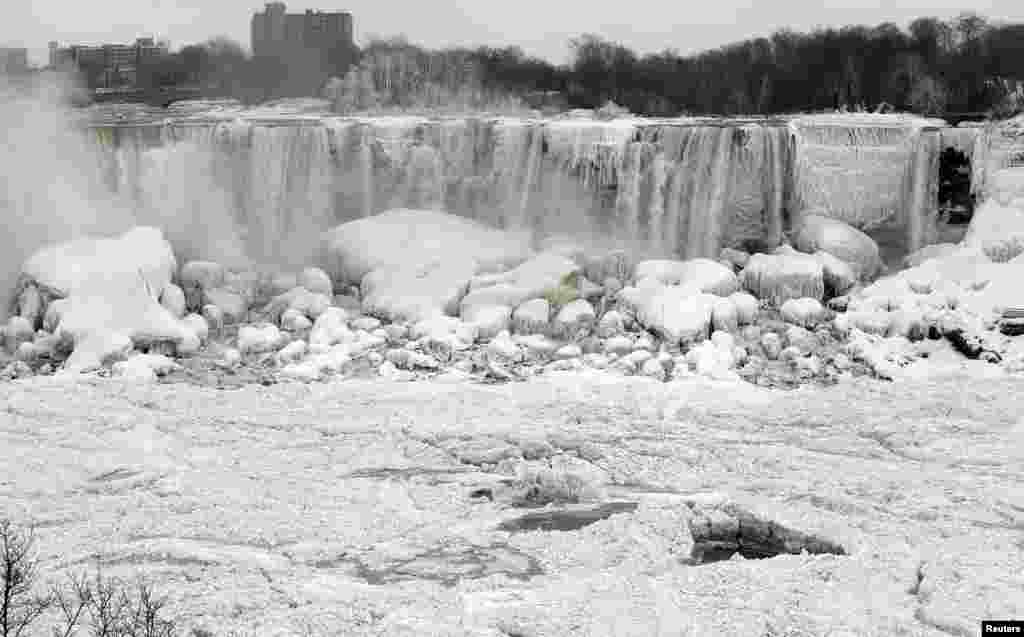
point(540, 27)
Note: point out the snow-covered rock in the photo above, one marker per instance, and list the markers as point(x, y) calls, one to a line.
point(214, 316)
point(675, 314)
point(779, 278)
point(698, 275)
point(316, 280)
point(805, 312)
point(612, 323)
point(112, 287)
point(652, 368)
point(293, 320)
point(19, 330)
point(771, 343)
point(618, 345)
point(542, 275)
point(402, 238)
point(503, 348)
point(724, 315)
point(173, 298)
point(841, 240)
point(234, 307)
point(30, 304)
point(574, 319)
point(747, 307)
point(366, 323)
point(997, 230)
point(569, 351)
point(330, 328)
point(532, 317)
point(292, 352)
point(537, 346)
point(258, 339)
point(490, 320)
point(198, 325)
point(937, 250)
point(145, 367)
point(839, 276)
point(417, 291)
point(197, 276)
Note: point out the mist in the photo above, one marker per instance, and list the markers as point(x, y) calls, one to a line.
point(51, 183)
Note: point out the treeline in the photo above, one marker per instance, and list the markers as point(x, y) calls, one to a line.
point(933, 67)
point(395, 73)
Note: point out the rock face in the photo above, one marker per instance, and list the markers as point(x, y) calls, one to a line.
point(841, 240)
point(779, 278)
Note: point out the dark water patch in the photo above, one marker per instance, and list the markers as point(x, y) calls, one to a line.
point(121, 473)
point(565, 519)
point(446, 565)
point(720, 533)
point(711, 552)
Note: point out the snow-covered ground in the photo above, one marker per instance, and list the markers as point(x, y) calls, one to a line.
point(376, 508)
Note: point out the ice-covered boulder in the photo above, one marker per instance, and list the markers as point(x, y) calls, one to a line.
point(779, 278)
point(544, 275)
point(699, 275)
point(613, 265)
point(676, 314)
point(259, 339)
point(316, 280)
point(93, 263)
point(301, 300)
point(804, 312)
point(490, 320)
point(173, 298)
point(532, 317)
point(417, 291)
point(199, 325)
point(197, 276)
point(937, 250)
point(295, 321)
point(724, 315)
point(841, 240)
point(234, 307)
point(612, 323)
point(574, 319)
point(112, 288)
point(839, 276)
point(997, 230)
point(18, 330)
point(331, 328)
point(747, 307)
point(404, 237)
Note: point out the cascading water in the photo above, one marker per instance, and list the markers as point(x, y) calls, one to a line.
point(675, 188)
point(875, 172)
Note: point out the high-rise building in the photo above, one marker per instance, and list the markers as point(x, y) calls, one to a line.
point(13, 60)
point(109, 64)
point(280, 34)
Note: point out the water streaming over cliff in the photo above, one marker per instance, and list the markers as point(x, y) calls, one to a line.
point(268, 186)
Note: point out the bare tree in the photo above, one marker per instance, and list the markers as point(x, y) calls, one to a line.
point(20, 607)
